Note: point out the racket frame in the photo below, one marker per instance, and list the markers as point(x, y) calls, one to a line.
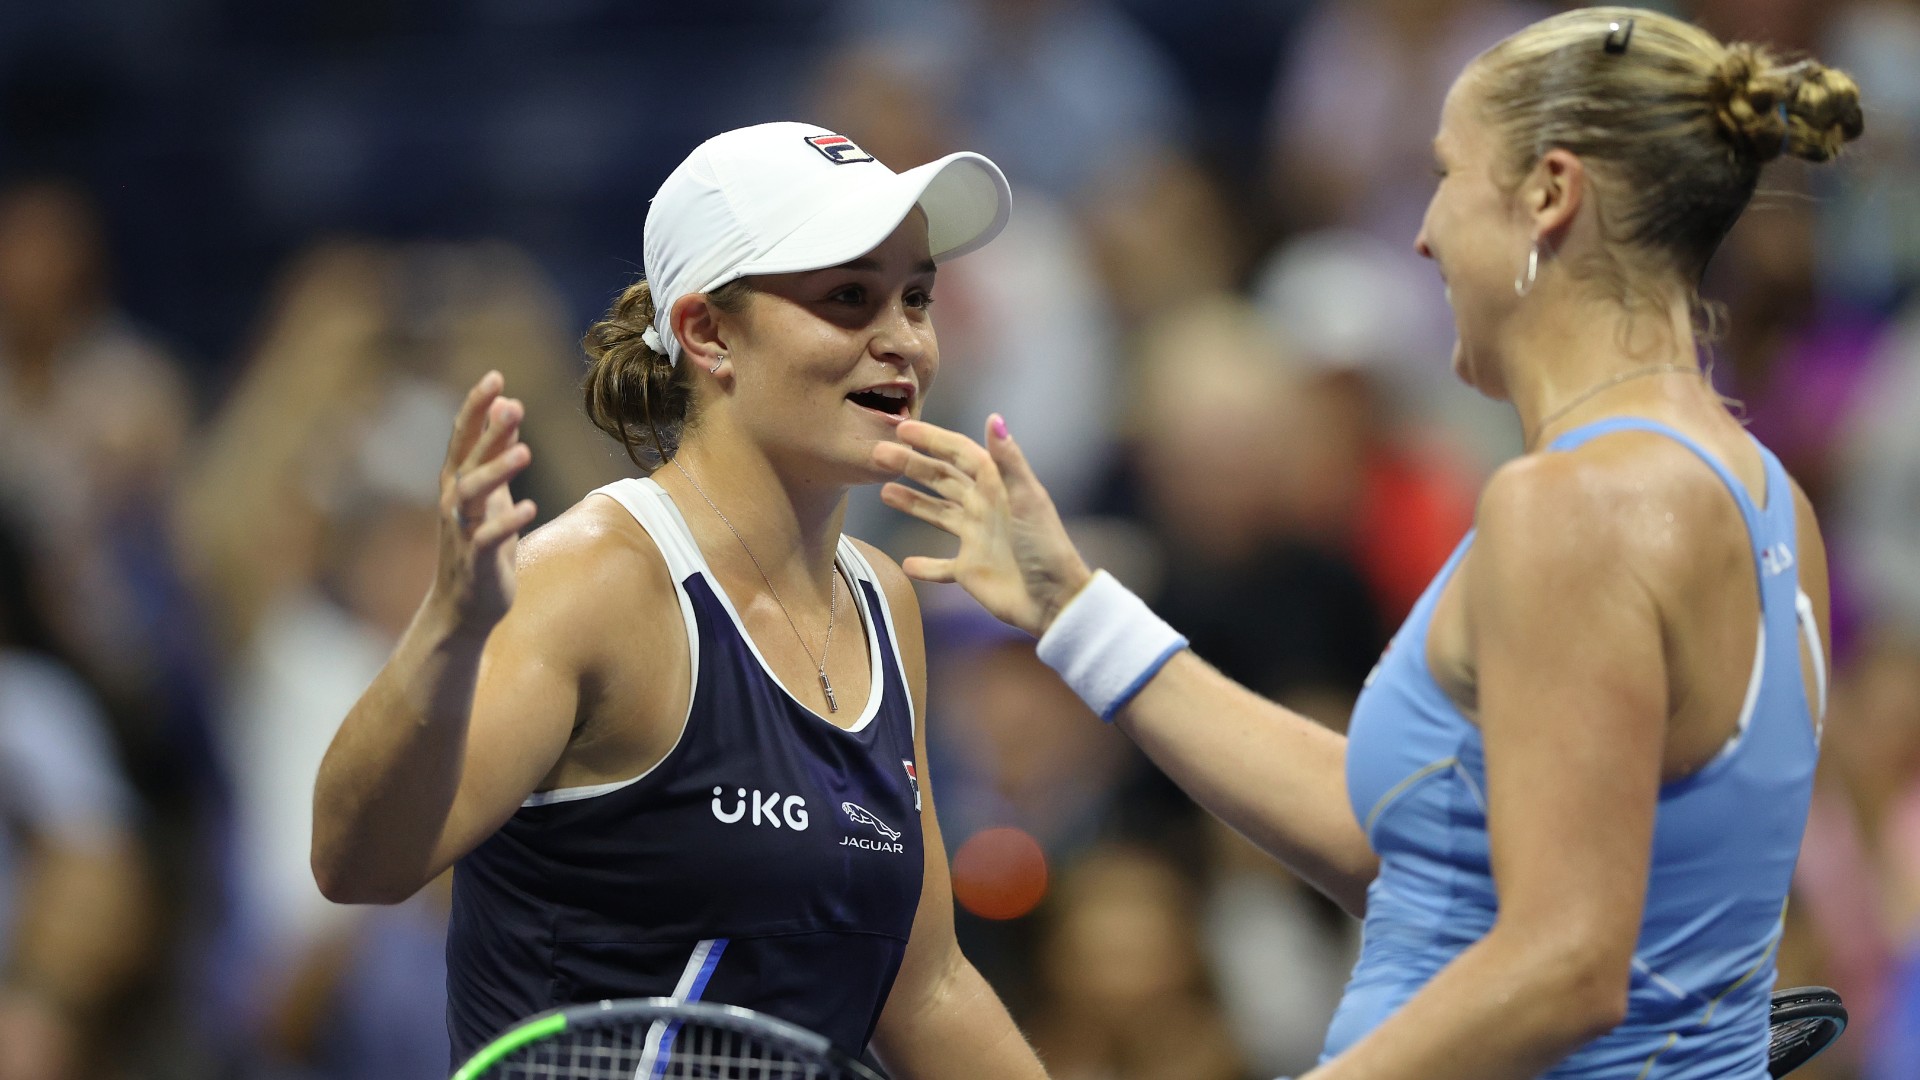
point(1805, 1003)
point(658, 1010)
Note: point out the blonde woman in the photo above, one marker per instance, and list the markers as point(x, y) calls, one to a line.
point(1574, 788)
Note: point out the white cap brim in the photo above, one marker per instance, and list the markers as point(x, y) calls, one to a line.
point(965, 197)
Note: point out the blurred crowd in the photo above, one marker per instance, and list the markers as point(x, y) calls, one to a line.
point(251, 255)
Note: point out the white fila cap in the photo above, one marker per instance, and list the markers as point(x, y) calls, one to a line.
point(785, 197)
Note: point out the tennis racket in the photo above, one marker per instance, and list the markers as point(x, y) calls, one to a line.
point(1805, 1021)
point(659, 1039)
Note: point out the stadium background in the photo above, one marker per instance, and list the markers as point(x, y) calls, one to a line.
point(250, 252)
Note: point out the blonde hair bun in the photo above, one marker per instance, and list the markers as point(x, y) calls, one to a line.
point(1674, 125)
point(1767, 108)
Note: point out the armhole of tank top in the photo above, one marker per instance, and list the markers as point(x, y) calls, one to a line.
point(636, 498)
point(1810, 632)
point(1783, 512)
point(1755, 676)
point(850, 552)
point(1753, 519)
point(1756, 520)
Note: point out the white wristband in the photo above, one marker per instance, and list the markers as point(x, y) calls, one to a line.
point(1106, 643)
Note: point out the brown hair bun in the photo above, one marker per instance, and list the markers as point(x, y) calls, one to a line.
point(632, 391)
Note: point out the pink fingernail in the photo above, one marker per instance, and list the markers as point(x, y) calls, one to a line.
point(999, 426)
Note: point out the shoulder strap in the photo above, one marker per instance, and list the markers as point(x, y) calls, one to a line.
point(856, 564)
point(1750, 513)
point(1786, 615)
point(1770, 531)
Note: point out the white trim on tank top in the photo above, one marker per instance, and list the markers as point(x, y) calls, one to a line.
point(677, 560)
point(1810, 631)
point(875, 681)
point(851, 552)
point(1752, 701)
point(689, 988)
point(652, 506)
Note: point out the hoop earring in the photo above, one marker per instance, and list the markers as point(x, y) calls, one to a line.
point(1523, 284)
point(717, 361)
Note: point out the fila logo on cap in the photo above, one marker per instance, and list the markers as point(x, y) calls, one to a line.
point(838, 149)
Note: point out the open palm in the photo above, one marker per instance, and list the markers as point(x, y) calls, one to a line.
point(481, 522)
point(1015, 557)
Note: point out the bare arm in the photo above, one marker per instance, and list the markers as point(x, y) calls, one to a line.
point(1566, 637)
point(404, 790)
point(1274, 775)
point(82, 924)
point(1278, 778)
point(81, 930)
point(942, 1021)
point(509, 319)
point(233, 502)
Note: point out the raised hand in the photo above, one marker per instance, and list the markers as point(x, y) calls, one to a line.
point(1015, 557)
point(480, 522)
point(37, 1041)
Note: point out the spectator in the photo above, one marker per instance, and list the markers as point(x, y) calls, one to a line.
point(1166, 234)
point(1344, 146)
point(1325, 292)
point(1060, 92)
point(1248, 487)
point(1280, 953)
point(95, 419)
point(1125, 992)
point(1870, 223)
point(314, 515)
point(1050, 364)
point(74, 893)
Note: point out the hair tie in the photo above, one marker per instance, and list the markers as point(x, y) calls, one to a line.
point(1786, 129)
point(652, 337)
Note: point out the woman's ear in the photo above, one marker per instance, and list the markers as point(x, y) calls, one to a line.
point(1553, 194)
point(697, 323)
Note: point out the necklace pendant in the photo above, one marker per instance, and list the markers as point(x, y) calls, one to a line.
point(833, 705)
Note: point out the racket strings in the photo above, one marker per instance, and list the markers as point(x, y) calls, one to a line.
point(686, 1050)
point(1791, 1043)
point(1796, 1032)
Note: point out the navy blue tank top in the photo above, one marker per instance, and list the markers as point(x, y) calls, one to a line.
point(771, 860)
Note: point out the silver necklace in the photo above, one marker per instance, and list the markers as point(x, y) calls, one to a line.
point(833, 594)
point(1656, 369)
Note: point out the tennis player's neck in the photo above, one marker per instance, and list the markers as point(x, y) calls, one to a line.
point(792, 529)
point(1560, 348)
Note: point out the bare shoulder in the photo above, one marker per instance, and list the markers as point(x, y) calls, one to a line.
point(1560, 501)
point(1633, 495)
point(589, 569)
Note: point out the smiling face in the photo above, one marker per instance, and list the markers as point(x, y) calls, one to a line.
point(828, 362)
point(1477, 233)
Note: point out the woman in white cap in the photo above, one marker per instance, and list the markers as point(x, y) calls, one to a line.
point(669, 744)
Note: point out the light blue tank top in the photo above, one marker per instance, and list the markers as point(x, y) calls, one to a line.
point(1724, 844)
